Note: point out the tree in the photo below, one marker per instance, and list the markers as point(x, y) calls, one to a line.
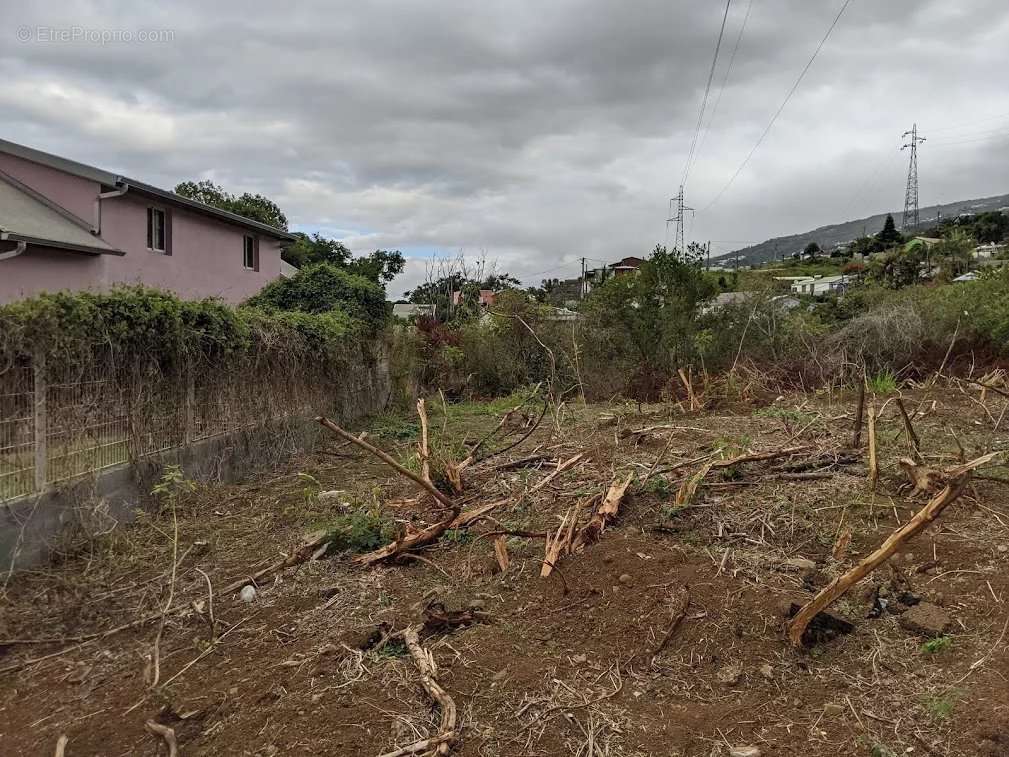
point(656, 309)
point(812, 250)
point(322, 288)
point(889, 236)
point(306, 250)
point(381, 266)
point(252, 206)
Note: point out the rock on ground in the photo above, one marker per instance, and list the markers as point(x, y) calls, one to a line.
point(926, 619)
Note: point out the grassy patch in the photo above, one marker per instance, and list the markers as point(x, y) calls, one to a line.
point(934, 646)
point(940, 708)
point(883, 383)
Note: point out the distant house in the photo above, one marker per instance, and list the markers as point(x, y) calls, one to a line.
point(69, 226)
point(729, 299)
point(485, 298)
point(408, 310)
point(820, 285)
point(989, 250)
point(626, 266)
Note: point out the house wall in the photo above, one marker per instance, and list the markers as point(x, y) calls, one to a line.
point(206, 259)
point(40, 269)
point(71, 192)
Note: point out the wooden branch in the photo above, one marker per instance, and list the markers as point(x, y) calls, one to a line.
point(856, 434)
point(602, 517)
point(61, 745)
point(694, 404)
point(912, 438)
point(873, 461)
point(989, 387)
point(166, 733)
point(556, 544)
point(423, 450)
point(428, 671)
point(561, 467)
point(752, 457)
point(472, 456)
point(385, 458)
point(688, 489)
point(679, 612)
point(501, 552)
point(958, 479)
point(304, 551)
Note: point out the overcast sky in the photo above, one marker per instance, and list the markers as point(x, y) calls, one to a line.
point(532, 133)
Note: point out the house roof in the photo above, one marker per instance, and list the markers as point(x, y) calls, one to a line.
point(109, 179)
point(27, 216)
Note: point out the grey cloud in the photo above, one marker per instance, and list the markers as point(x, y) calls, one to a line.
point(537, 132)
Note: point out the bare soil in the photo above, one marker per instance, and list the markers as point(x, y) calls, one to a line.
point(564, 664)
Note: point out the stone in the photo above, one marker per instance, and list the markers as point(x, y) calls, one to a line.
point(248, 593)
point(925, 619)
point(801, 564)
point(730, 674)
point(767, 670)
point(832, 709)
point(335, 498)
point(745, 751)
point(477, 604)
point(625, 579)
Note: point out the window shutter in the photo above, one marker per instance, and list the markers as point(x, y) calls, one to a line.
point(255, 253)
point(168, 231)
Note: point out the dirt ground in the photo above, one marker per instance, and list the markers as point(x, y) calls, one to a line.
point(560, 665)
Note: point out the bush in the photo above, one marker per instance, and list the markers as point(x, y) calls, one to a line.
point(325, 288)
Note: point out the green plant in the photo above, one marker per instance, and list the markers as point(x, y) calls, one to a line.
point(362, 530)
point(934, 646)
point(884, 382)
point(172, 485)
point(310, 490)
point(458, 536)
point(940, 707)
point(660, 486)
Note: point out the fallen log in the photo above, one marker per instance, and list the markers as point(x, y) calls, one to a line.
point(561, 467)
point(428, 671)
point(957, 481)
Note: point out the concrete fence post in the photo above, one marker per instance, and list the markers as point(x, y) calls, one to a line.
point(189, 421)
point(41, 424)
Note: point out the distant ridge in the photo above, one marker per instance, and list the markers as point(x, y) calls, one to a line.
point(829, 236)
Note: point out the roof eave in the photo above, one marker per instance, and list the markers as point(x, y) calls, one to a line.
point(208, 210)
point(57, 244)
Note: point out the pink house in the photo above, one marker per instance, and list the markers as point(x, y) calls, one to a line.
point(68, 226)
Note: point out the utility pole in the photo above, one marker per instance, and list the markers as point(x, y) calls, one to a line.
point(911, 193)
point(581, 293)
point(679, 218)
point(707, 265)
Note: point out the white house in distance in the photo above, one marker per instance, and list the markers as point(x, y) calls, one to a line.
point(820, 285)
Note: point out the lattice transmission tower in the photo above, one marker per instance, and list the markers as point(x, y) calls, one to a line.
point(911, 193)
point(679, 217)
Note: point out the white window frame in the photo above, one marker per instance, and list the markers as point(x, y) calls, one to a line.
point(154, 213)
point(249, 252)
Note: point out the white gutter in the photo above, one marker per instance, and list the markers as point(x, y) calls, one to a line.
point(15, 252)
point(96, 227)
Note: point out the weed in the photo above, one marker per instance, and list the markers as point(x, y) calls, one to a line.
point(668, 512)
point(359, 531)
point(458, 536)
point(878, 750)
point(172, 485)
point(660, 487)
point(310, 490)
point(884, 382)
point(394, 426)
point(934, 646)
point(392, 649)
point(940, 707)
point(731, 446)
point(788, 415)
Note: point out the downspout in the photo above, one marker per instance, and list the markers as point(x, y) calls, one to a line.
point(21, 246)
point(96, 227)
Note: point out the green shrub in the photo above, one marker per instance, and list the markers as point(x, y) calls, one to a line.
point(359, 531)
point(326, 288)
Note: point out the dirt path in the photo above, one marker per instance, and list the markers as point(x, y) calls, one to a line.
point(561, 665)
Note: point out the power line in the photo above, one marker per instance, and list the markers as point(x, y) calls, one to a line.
point(704, 100)
point(784, 102)
point(725, 79)
point(968, 124)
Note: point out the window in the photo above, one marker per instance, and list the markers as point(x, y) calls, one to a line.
point(249, 254)
point(156, 230)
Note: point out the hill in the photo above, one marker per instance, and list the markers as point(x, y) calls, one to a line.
point(828, 236)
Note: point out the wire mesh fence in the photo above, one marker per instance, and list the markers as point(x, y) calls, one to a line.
point(58, 423)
